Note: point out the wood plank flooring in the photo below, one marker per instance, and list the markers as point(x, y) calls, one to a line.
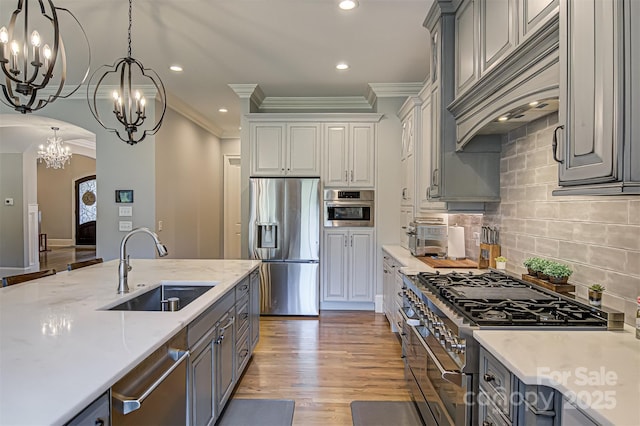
point(324, 363)
point(58, 257)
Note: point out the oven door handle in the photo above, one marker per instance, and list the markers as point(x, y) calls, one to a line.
point(454, 377)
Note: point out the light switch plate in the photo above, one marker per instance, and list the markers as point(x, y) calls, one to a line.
point(125, 225)
point(125, 211)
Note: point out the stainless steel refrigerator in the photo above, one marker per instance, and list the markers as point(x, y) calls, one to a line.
point(284, 232)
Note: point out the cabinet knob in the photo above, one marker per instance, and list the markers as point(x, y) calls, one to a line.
point(99, 422)
point(487, 423)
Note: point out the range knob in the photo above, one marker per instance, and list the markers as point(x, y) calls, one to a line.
point(460, 346)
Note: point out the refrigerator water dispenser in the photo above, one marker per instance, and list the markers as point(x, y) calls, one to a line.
point(267, 235)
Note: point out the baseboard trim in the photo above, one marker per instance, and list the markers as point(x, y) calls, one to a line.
point(379, 303)
point(60, 242)
point(346, 306)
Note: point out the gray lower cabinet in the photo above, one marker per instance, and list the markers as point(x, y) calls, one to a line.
point(254, 308)
point(599, 64)
point(96, 414)
point(505, 400)
point(208, 381)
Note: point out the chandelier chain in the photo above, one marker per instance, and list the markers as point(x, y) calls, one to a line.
point(129, 32)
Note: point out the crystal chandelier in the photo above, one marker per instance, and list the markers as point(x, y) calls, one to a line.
point(54, 154)
point(28, 63)
point(128, 104)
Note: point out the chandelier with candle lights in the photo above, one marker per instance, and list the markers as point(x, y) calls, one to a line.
point(127, 118)
point(55, 154)
point(33, 56)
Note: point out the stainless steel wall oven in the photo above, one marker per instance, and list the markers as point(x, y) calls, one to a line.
point(348, 208)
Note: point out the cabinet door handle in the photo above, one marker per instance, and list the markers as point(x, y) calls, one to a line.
point(352, 241)
point(346, 175)
point(434, 177)
point(555, 144)
point(351, 175)
point(345, 241)
point(488, 377)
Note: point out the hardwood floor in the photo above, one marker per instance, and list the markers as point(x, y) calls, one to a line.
point(325, 363)
point(58, 257)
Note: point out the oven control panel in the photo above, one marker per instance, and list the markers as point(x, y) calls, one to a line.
point(419, 311)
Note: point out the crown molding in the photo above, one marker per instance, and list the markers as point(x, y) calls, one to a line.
point(187, 111)
point(315, 103)
point(394, 90)
point(250, 91)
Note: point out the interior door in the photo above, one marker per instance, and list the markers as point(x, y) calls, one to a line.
point(86, 210)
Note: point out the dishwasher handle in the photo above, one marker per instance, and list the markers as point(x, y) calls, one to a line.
point(126, 404)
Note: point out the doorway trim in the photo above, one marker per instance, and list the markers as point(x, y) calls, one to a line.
point(229, 190)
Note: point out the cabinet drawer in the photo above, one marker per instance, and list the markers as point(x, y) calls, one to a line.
point(242, 316)
point(489, 414)
point(96, 412)
point(201, 325)
point(496, 382)
point(242, 289)
point(243, 352)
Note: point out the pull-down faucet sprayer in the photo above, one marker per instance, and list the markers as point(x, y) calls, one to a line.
point(124, 267)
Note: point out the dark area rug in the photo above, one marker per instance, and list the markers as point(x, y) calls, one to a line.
point(385, 413)
point(253, 412)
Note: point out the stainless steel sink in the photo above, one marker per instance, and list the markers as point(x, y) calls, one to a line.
point(167, 297)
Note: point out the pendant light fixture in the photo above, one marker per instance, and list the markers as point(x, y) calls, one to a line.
point(33, 56)
point(128, 103)
point(55, 154)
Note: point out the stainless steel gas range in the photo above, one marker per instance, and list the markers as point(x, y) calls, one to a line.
point(440, 313)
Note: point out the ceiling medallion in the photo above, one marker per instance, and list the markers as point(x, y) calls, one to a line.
point(129, 105)
point(55, 154)
point(33, 56)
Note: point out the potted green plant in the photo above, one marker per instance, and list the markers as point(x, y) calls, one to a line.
point(501, 262)
point(539, 266)
point(557, 272)
point(529, 264)
point(595, 294)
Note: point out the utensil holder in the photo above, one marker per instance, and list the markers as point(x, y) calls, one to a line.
point(488, 254)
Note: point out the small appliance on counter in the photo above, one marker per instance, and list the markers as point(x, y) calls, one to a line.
point(427, 236)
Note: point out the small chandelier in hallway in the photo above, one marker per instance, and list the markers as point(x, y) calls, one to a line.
point(128, 103)
point(54, 154)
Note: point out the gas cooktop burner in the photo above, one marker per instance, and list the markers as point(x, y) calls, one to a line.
point(494, 299)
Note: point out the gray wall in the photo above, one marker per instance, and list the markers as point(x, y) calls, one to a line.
point(189, 191)
point(118, 166)
point(598, 237)
point(11, 217)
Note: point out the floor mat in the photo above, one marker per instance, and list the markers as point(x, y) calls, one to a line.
point(385, 413)
point(263, 412)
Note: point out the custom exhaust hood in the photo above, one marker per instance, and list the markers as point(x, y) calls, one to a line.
point(521, 88)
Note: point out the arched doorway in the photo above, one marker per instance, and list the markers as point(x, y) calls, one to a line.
point(86, 201)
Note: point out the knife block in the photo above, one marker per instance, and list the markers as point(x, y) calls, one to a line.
point(488, 254)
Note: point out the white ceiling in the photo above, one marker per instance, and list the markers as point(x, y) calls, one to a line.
point(288, 47)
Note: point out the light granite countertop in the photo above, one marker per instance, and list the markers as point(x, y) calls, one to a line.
point(598, 371)
point(59, 350)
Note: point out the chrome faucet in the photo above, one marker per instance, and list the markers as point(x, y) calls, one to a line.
point(124, 267)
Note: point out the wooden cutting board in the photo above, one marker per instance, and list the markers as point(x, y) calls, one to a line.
point(448, 263)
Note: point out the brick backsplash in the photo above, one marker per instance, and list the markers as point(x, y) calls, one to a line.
point(598, 237)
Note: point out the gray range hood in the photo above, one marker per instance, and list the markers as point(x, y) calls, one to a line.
point(520, 89)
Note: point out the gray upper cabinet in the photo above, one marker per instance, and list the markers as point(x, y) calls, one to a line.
point(466, 39)
point(534, 14)
point(598, 62)
point(498, 31)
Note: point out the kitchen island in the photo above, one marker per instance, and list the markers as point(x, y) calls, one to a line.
point(60, 349)
point(596, 371)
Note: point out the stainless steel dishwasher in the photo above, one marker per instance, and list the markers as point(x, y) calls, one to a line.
point(155, 391)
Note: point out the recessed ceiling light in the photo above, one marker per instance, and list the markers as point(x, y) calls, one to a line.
point(348, 4)
point(175, 68)
point(503, 118)
point(223, 110)
point(342, 66)
point(534, 103)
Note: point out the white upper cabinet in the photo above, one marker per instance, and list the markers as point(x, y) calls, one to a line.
point(349, 155)
point(281, 149)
